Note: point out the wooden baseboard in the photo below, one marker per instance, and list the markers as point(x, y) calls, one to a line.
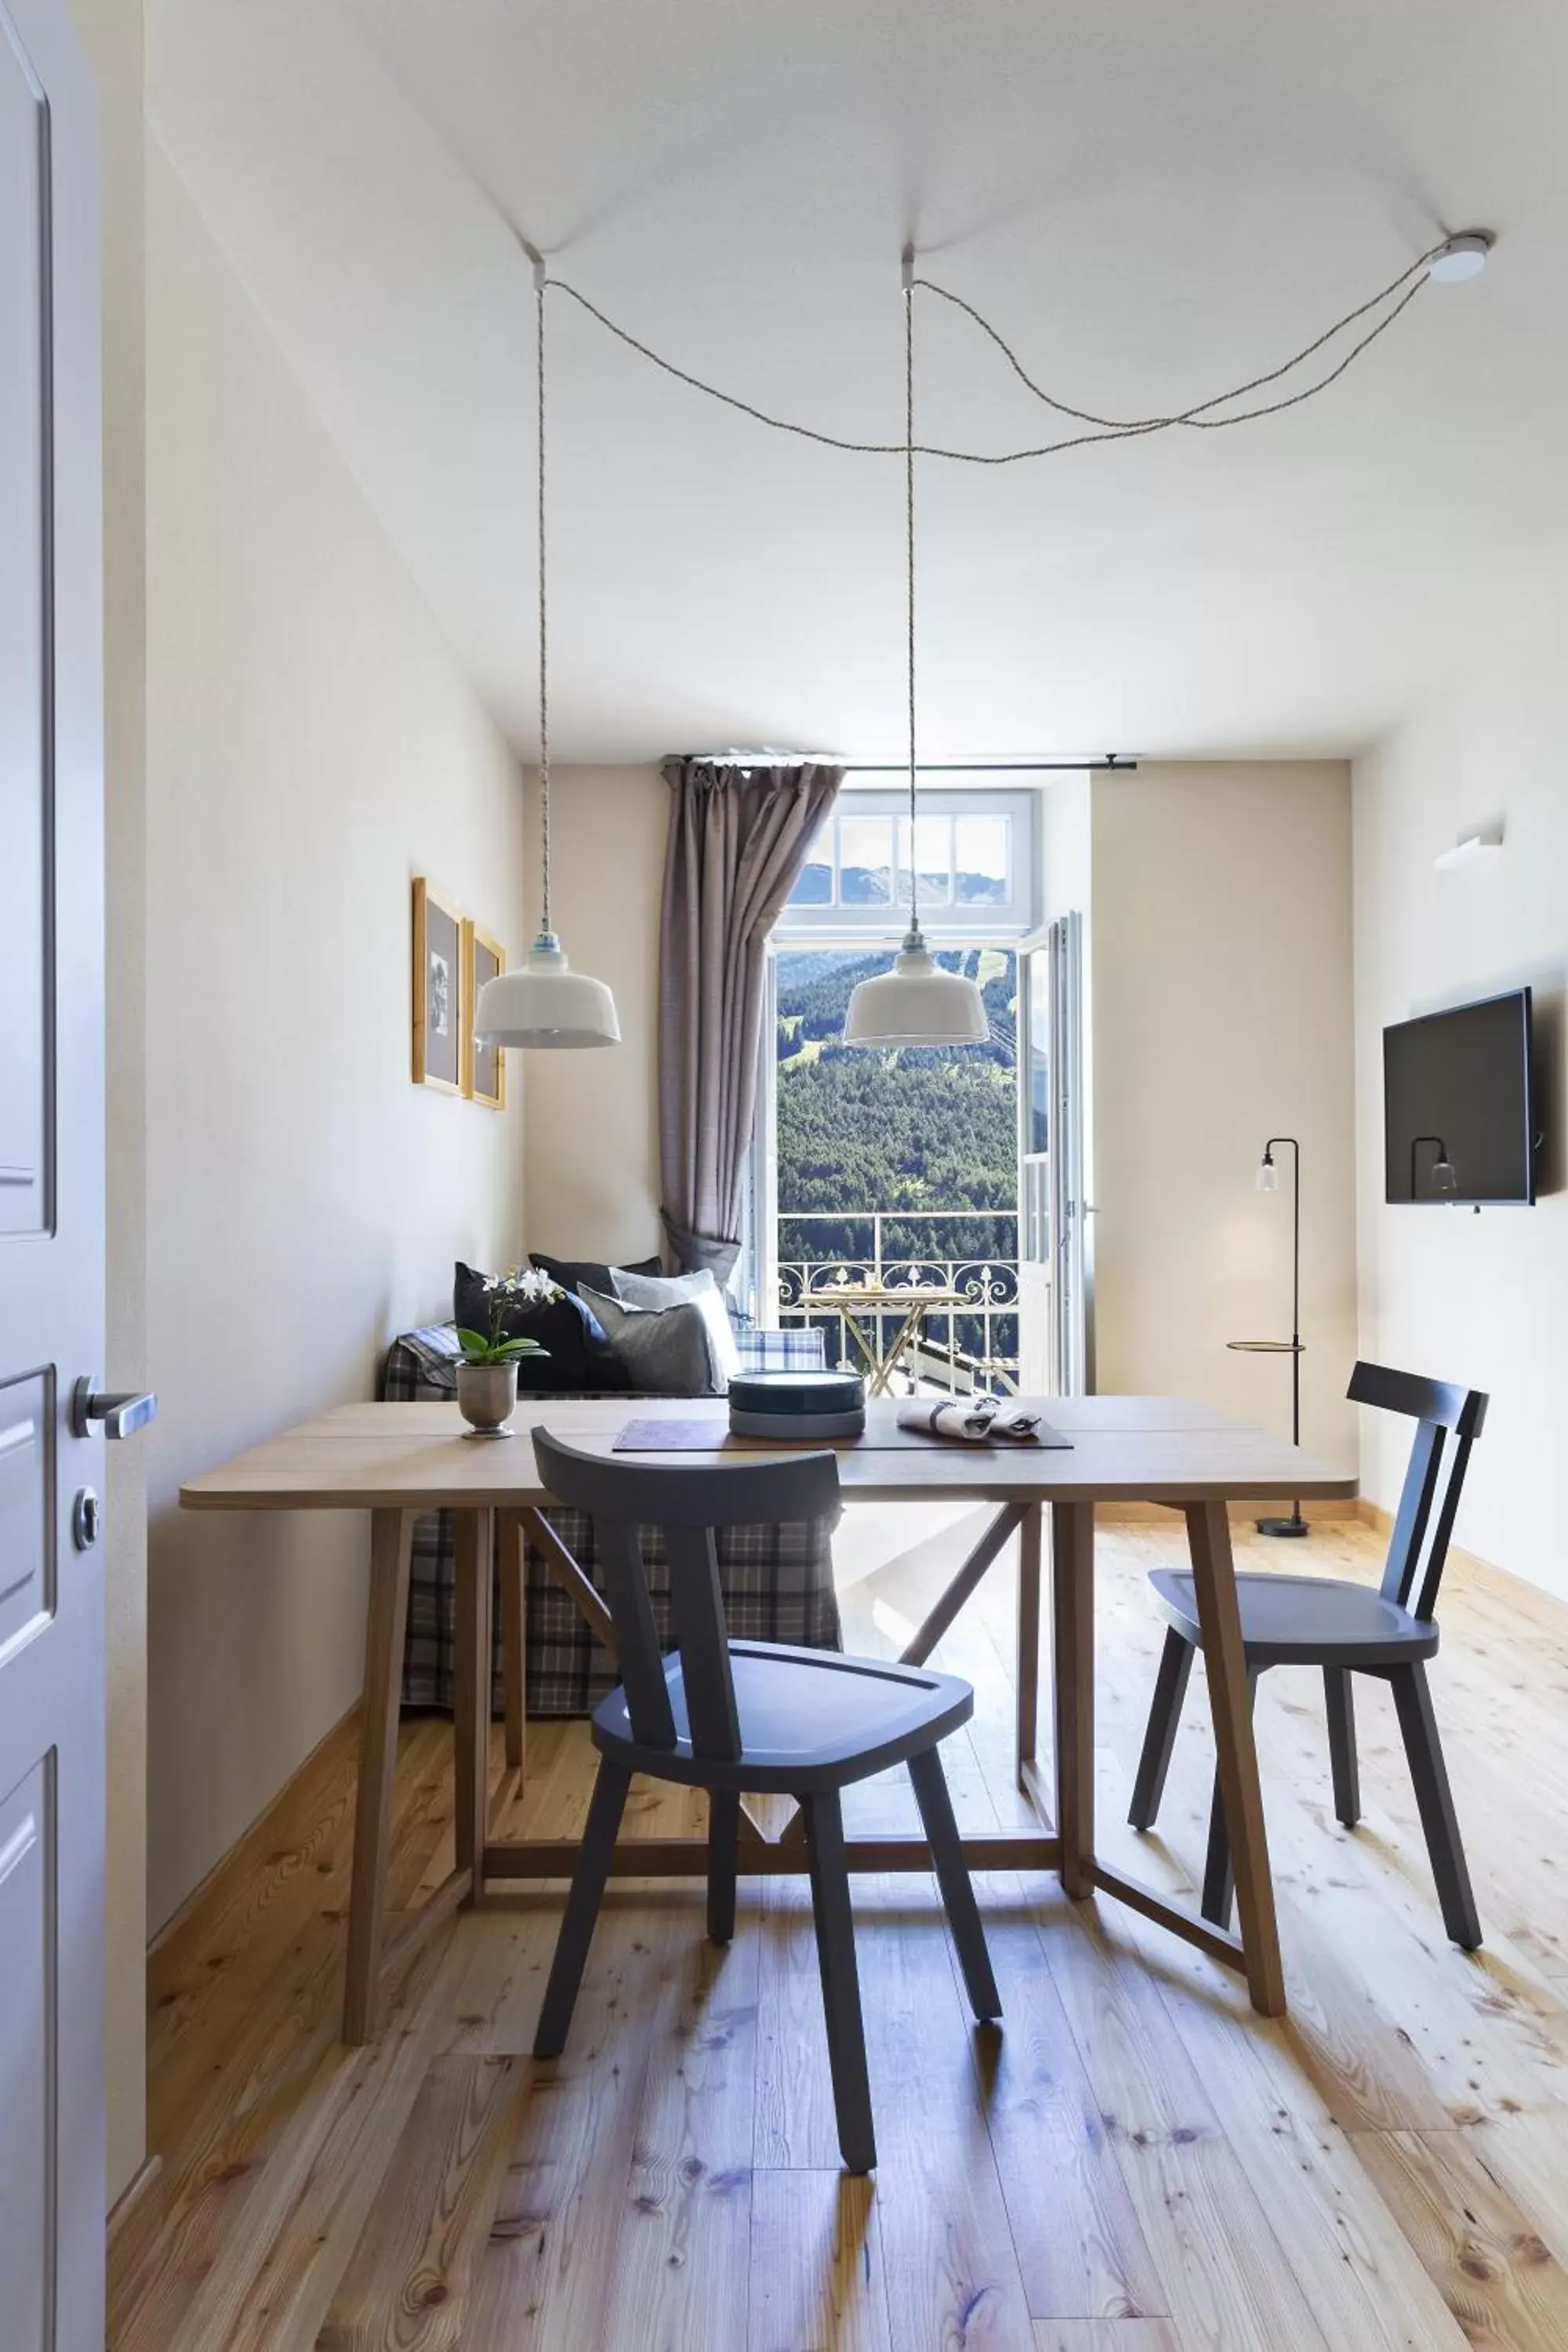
point(133, 2193)
point(1341, 1507)
point(255, 1842)
point(1519, 1589)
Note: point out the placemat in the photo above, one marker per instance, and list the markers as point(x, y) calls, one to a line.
point(714, 1436)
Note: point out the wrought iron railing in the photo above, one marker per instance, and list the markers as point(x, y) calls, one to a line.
point(960, 1349)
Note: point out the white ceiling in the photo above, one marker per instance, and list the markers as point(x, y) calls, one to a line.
point(1151, 201)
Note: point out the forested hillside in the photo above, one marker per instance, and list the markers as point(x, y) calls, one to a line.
point(909, 1129)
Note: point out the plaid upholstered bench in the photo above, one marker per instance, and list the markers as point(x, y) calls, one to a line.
point(777, 1582)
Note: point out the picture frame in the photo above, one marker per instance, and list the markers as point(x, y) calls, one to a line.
point(439, 993)
point(484, 1067)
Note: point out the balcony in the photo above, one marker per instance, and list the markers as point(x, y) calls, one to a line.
point(969, 1252)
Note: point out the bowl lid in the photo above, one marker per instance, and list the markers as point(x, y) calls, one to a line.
point(802, 1392)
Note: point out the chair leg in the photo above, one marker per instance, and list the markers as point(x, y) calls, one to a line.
point(604, 1809)
point(1435, 1802)
point(957, 1888)
point(840, 1981)
point(723, 1835)
point(1219, 1874)
point(1338, 1692)
point(1169, 1690)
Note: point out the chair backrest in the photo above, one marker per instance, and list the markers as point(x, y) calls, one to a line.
point(1449, 1421)
point(690, 1504)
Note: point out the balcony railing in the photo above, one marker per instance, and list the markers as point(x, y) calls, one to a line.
point(960, 1349)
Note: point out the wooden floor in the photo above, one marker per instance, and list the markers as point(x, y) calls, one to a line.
point(1134, 2163)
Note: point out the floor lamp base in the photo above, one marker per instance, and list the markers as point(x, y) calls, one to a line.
point(1294, 1526)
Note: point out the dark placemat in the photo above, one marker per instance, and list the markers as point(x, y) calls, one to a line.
point(713, 1435)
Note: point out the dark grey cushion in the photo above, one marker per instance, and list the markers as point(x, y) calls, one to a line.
point(698, 1290)
point(663, 1350)
point(580, 1273)
point(579, 1353)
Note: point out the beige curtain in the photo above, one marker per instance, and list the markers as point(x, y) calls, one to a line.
point(738, 839)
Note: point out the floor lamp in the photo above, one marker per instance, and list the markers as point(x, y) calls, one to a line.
point(1268, 1182)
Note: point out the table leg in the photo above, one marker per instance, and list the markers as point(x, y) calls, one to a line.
point(475, 1552)
point(390, 1541)
point(1028, 1636)
point(1225, 1657)
point(510, 1546)
point(1072, 1678)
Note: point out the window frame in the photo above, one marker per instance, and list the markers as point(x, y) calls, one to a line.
point(985, 922)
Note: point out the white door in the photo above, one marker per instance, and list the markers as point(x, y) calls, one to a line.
point(1036, 1249)
point(51, 1194)
point(1072, 1366)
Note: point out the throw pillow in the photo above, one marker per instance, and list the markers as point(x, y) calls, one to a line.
point(698, 1290)
point(664, 1350)
point(579, 1274)
point(559, 1323)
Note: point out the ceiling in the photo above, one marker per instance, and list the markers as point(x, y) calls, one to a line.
point(1152, 202)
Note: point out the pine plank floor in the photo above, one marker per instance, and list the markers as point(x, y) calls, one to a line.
point(1135, 2163)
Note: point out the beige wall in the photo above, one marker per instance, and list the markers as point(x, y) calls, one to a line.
point(1464, 1297)
point(1222, 989)
point(111, 35)
point(311, 745)
point(592, 1125)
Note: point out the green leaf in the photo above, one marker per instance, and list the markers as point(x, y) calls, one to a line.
point(474, 1345)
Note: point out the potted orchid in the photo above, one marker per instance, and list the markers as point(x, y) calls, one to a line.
point(486, 1377)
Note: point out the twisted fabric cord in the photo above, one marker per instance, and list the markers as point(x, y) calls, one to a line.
point(1103, 428)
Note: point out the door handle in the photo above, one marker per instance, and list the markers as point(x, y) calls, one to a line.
point(123, 1413)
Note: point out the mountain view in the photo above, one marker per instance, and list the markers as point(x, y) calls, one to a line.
point(916, 1129)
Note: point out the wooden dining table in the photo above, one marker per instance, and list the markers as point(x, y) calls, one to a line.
point(397, 1461)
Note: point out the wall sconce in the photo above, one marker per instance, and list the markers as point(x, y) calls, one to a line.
point(1478, 849)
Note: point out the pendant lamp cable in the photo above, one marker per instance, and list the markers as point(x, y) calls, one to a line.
point(1398, 294)
point(909, 577)
point(539, 283)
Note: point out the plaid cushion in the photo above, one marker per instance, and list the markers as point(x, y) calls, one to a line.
point(777, 1581)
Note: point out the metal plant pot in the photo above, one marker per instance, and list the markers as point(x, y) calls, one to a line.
point(486, 1395)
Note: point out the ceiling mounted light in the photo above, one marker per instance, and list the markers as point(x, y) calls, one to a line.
point(545, 1003)
point(916, 1003)
point(1463, 256)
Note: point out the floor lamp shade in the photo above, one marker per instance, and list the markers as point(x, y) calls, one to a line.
point(546, 1004)
point(916, 1003)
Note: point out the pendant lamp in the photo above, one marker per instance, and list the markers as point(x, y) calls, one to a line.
point(916, 1003)
point(545, 1003)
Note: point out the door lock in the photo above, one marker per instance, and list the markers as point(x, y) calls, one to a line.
point(121, 1413)
point(87, 1519)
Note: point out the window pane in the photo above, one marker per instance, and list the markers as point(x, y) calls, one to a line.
point(933, 836)
point(981, 860)
point(815, 888)
point(865, 861)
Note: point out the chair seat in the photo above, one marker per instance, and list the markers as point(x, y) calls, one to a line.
point(810, 1720)
point(1305, 1620)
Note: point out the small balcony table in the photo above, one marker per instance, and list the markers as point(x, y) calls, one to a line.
point(880, 1356)
point(395, 1461)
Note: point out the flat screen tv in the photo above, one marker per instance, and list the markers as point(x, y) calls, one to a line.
point(1459, 1110)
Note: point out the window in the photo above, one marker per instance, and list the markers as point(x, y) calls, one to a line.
point(976, 854)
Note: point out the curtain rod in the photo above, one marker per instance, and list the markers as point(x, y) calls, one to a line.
point(992, 767)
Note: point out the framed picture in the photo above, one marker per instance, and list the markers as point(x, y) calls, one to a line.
point(484, 1067)
point(438, 1007)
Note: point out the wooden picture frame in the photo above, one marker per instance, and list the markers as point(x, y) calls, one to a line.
point(438, 991)
point(484, 1067)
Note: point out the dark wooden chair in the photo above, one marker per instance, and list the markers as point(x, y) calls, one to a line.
point(1346, 1628)
point(730, 1716)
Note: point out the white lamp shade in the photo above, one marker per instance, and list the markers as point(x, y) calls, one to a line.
point(546, 1005)
point(1267, 1173)
point(916, 1003)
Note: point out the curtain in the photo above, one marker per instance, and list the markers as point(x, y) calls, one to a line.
point(738, 839)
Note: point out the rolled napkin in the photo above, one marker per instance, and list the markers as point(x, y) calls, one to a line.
point(978, 1420)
